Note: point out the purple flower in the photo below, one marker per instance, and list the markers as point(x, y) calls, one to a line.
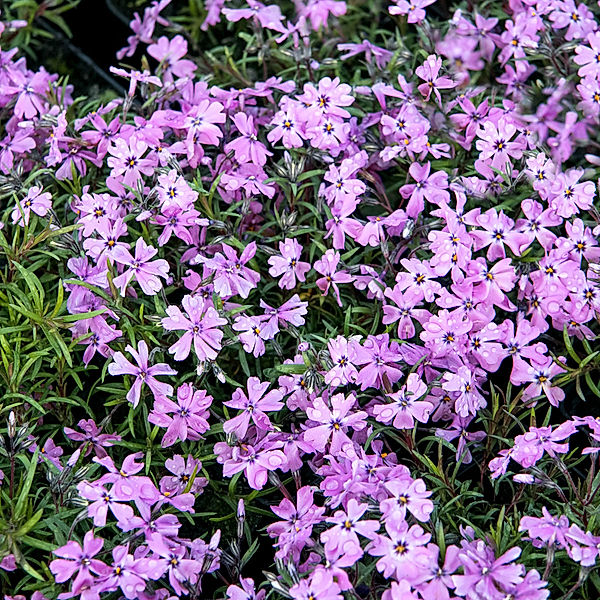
point(288, 265)
point(126, 573)
point(342, 539)
point(189, 418)
point(412, 8)
point(255, 461)
point(403, 551)
point(92, 435)
point(78, 560)
point(247, 148)
point(142, 372)
point(146, 272)
point(335, 422)
point(37, 201)
point(253, 333)
point(484, 574)
point(201, 324)
point(406, 406)
point(231, 275)
point(429, 72)
point(294, 532)
point(546, 530)
point(254, 406)
point(327, 266)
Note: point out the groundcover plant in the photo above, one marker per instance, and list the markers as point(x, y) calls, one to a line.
point(309, 309)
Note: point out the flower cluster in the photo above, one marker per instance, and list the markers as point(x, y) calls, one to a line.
point(323, 295)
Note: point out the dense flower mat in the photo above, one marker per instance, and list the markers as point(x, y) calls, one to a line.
point(310, 311)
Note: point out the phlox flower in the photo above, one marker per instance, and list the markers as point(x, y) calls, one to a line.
point(288, 265)
point(145, 271)
point(466, 386)
point(169, 53)
point(171, 558)
point(201, 323)
point(247, 148)
point(187, 418)
point(327, 266)
point(127, 163)
point(403, 551)
point(36, 201)
point(291, 312)
point(546, 530)
point(288, 127)
point(294, 531)
point(253, 333)
point(584, 547)
point(92, 436)
point(78, 560)
point(406, 405)
point(269, 16)
point(333, 422)
point(126, 573)
point(231, 276)
point(101, 500)
point(328, 98)
point(379, 360)
point(255, 461)
point(445, 332)
point(246, 591)
point(318, 11)
point(407, 495)
point(412, 8)
point(568, 196)
point(484, 574)
point(439, 577)
point(380, 56)
point(588, 57)
point(429, 186)
point(143, 373)
point(429, 72)
point(417, 280)
point(496, 144)
point(342, 538)
point(343, 355)
point(254, 406)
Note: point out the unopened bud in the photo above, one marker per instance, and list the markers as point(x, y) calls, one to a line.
point(12, 425)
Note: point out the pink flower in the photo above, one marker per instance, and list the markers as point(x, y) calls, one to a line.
point(406, 406)
point(79, 561)
point(495, 143)
point(37, 201)
point(342, 539)
point(412, 8)
point(247, 148)
point(127, 163)
point(190, 414)
point(201, 324)
point(333, 422)
point(142, 372)
point(231, 274)
point(252, 333)
point(343, 356)
point(429, 72)
point(255, 461)
point(288, 264)
point(254, 407)
point(170, 53)
point(145, 271)
point(403, 551)
point(588, 57)
point(327, 266)
point(432, 187)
